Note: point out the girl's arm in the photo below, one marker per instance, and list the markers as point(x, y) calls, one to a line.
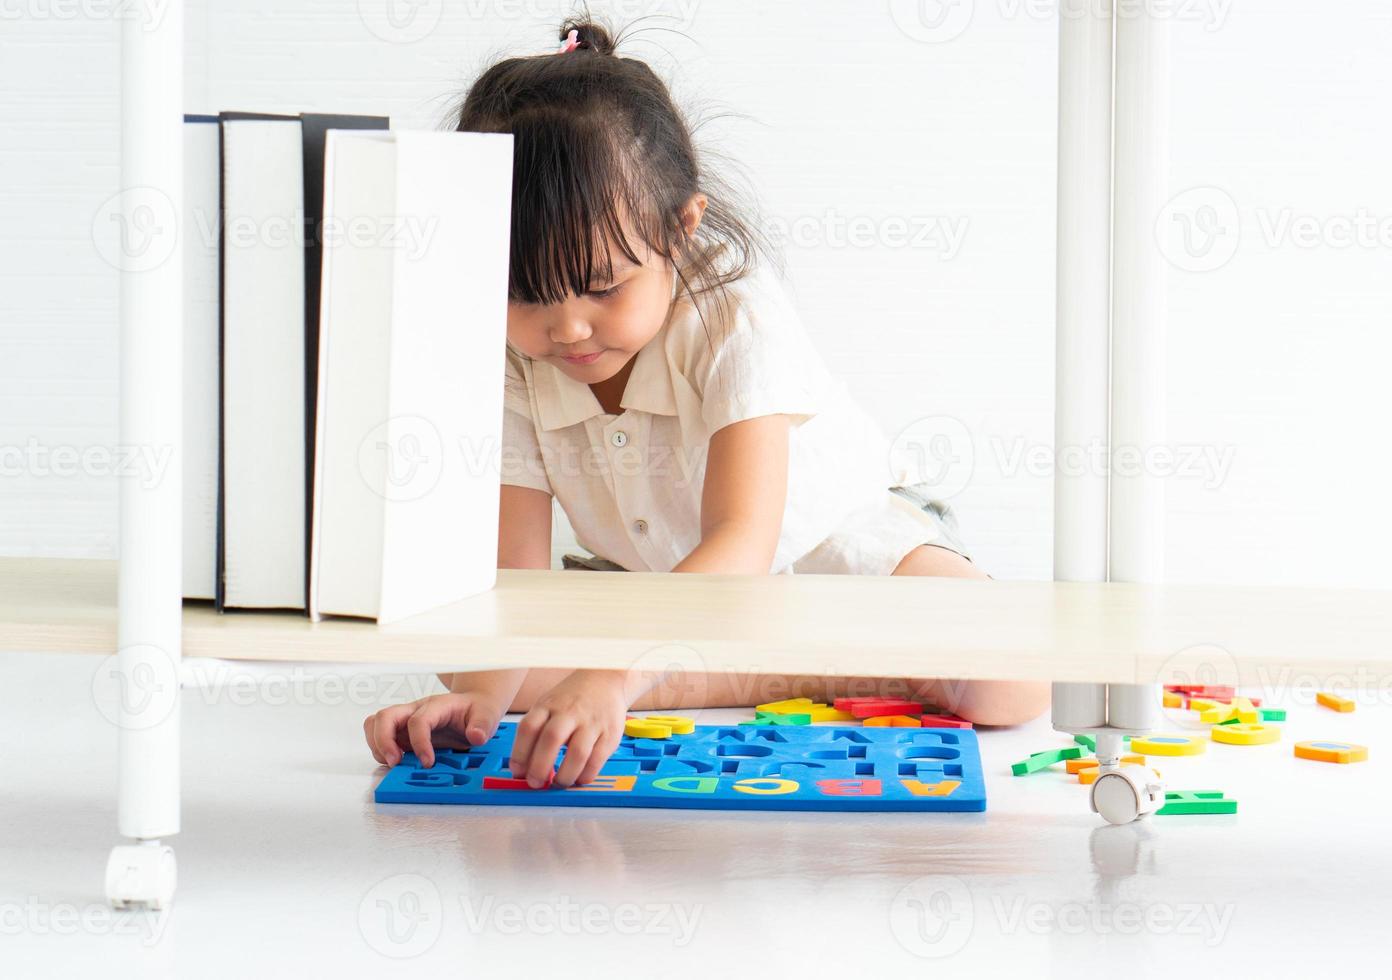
point(743, 498)
point(524, 541)
point(524, 528)
point(742, 504)
point(477, 700)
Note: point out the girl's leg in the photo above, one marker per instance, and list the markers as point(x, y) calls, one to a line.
point(983, 702)
point(731, 690)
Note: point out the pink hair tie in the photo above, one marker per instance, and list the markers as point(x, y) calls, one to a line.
point(570, 43)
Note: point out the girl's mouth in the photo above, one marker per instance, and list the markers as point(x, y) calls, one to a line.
point(584, 358)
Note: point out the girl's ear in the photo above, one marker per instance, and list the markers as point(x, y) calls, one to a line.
point(692, 212)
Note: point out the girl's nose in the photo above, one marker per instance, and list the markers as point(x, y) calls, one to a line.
point(567, 328)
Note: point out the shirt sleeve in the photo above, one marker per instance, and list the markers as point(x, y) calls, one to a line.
point(522, 462)
point(764, 362)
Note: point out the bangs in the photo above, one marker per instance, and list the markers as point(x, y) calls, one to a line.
point(572, 200)
point(603, 166)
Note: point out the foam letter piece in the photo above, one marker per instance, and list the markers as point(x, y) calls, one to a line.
point(944, 788)
point(1331, 752)
point(766, 786)
point(789, 719)
point(1202, 690)
point(886, 707)
point(1169, 745)
point(646, 729)
point(845, 704)
point(606, 783)
point(892, 721)
point(830, 714)
point(507, 782)
point(769, 718)
point(788, 707)
point(1187, 802)
point(1245, 734)
point(1246, 711)
point(687, 784)
point(678, 724)
point(1334, 702)
point(849, 787)
point(1219, 714)
point(1273, 714)
point(943, 721)
point(1045, 759)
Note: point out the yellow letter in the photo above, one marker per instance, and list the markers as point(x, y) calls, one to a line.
point(766, 786)
point(944, 788)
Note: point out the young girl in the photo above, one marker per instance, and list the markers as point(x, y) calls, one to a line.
point(660, 386)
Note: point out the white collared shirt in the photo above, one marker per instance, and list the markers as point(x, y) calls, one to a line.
point(630, 484)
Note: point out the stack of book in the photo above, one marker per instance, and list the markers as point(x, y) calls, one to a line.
point(346, 310)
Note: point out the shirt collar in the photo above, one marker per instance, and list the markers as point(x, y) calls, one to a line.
point(562, 401)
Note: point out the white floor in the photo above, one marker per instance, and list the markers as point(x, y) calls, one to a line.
point(287, 867)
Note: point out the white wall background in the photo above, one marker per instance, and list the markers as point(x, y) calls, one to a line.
point(854, 112)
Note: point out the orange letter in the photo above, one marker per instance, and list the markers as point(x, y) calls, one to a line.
point(615, 784)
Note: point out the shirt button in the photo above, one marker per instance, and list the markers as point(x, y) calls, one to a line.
point(619, 438)
point(640, 526)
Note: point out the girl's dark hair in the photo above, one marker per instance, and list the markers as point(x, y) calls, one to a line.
point(599, 146)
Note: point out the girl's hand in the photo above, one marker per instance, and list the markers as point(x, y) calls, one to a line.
point(585, 713)
point(457, 720)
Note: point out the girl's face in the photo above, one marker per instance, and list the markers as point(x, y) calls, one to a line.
point(591, 336)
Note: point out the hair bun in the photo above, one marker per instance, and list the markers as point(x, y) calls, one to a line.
point(588, 35)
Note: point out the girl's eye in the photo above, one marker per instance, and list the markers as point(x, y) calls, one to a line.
point(606, 293)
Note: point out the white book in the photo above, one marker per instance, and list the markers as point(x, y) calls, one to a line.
point(201, 202)
point(263, 387)
point(413, 323)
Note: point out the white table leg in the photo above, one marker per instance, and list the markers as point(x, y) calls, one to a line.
point(1122, 792)
point(150, 588)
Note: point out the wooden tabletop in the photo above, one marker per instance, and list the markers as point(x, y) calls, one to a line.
point(807, 624)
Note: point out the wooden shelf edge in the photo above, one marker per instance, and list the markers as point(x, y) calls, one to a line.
point(834, 625)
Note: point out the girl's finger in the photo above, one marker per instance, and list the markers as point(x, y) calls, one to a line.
point(481, 724)
point(578, 749)
point(368, 735)
point(603, 749)
point(558, 730)
point(386, 729)
point(431, 714)
point(527, 731)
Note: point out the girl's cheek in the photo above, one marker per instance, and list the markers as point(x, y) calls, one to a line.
point(629, 329)
point(524, 331)
point(641, 312)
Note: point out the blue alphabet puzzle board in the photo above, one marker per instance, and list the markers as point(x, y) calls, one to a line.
point(717, 767)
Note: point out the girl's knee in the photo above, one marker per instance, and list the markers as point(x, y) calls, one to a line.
point(996, 702)
point(930, 559)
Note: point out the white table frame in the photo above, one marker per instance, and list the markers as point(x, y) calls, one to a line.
point(1110, 374)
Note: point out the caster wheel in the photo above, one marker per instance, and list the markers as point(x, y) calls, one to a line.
point(141, 876)
point(1127, 793)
